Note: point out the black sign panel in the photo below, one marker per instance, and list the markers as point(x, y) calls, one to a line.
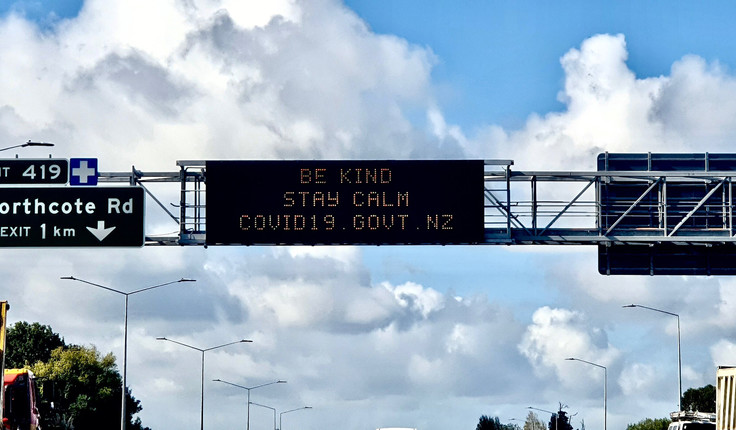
point(650, 207)
point(34, 171)
point(667, 259)
point(344, 202)
point(62, 216)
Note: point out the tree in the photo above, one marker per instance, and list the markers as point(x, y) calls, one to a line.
point(493, 423)
point(650, 424)
point(86, 387)
point(533, 422)
point(30, 343)
point(701, 399)
point(83, 385)
point(560, 420)
point(487, 423)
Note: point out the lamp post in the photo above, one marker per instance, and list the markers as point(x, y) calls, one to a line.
point(203, 350)
point(264, 406)
point(517, 426)
point(605, 388)
point(24, 145)
point(532, 418)
point(125, 325)
point(291, 410)
point(556, 415)
point(679, 353)
point(247, 421)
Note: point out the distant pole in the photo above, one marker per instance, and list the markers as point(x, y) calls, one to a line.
point(291, 410)
point(247, 421)
point(123, 414)
point(605, 388)
point(679, 350)
point(202, 350)
point(267, 407)
point(27, 144)
point(556, 415)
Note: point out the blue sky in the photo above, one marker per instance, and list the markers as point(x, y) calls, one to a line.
point(44, 12)
point(500, 59)
point(417, 336)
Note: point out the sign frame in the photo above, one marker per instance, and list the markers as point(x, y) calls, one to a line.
point(72, 216)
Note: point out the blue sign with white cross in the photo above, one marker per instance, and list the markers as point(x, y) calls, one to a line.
point(83, 171)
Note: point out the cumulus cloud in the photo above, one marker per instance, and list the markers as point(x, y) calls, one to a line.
point(557, 334)
point(309, 79)
point(639, 378)
point(723, 353)
point(609, 108)
point(302, 80)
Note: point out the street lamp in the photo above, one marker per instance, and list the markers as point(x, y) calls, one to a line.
point(264, 406)
point(291, 410)
point(679, 353)
point(531, 418)
point(555, 414)
point(125, 325)
point(605, 388)
point(29, 143)
point(201, 409)
point(247, 422)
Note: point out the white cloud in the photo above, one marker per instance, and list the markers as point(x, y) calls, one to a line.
point(289, 80)
point(723, 353)
point(609, 108)
point(415, 298)
point(726, 317)
point(639, 379)
point(309, 79)
point(557, 334)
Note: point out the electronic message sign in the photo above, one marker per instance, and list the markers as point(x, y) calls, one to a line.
point(71, 216)
point(344, 202)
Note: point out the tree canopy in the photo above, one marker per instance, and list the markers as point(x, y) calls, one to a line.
point(29, 343)
point(650, 424)
point(83, 384)
point(87, 383)
point(533, 422)
point(701, 399)
point(493, 423)
point(560, 420)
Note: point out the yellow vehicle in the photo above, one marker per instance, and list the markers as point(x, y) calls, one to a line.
point(21, 408)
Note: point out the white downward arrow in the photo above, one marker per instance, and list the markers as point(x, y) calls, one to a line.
point(100, 232)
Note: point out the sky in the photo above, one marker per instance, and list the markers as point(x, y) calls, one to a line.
point(426, 337)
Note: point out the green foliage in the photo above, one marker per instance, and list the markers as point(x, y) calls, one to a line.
point(701, 399)
point(650, 424)
point(493, 423)
point(560, 421)
point(29, 343)
point(84, 385)
point(533, 422)
point(487, 423)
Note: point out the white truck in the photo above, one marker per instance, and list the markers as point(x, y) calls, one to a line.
point(689, 420)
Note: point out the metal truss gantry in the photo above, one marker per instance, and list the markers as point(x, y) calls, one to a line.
point(525, 208)
point(688, 207)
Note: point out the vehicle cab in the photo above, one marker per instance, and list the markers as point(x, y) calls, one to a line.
point(20, 409)
point(688, 420)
